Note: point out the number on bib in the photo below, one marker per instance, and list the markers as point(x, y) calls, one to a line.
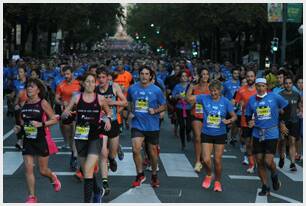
point(30, 131)
point(81, 133)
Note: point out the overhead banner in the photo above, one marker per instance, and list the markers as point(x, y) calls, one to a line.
point(275, 11)
point(294, 13)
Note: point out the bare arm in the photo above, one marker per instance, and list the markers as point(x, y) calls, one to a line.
point(123, 102)
point(49, 111)
point(190, 98)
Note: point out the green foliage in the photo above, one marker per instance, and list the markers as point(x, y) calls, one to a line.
point(187, 22)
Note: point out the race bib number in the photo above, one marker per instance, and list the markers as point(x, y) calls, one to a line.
point(142, 105)
point(263, 113)
point(213, 121)
point(30, 131)
point(199, 109)
point(81, 133)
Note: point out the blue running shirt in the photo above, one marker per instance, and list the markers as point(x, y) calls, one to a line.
point(142, 99)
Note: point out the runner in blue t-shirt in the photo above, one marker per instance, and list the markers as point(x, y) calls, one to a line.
point(265, 108)
point(183, 108)
point(215, 110)
point(230, 87)
point(146, 101)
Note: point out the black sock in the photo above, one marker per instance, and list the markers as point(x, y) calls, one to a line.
point(141, 174)
point(96, 188)
point(88, 188)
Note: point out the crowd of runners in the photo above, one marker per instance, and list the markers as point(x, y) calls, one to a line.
point(94, 97)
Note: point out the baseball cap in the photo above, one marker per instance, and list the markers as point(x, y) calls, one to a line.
point(261, 80)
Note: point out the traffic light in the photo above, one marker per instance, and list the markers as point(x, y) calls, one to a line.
point(274, 45)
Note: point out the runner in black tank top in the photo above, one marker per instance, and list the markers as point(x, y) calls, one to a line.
point(89, 106)
point(113, 93)
point(35, 118)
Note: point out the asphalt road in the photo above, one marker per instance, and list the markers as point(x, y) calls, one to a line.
point(178, 181)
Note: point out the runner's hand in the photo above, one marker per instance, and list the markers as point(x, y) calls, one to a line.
point(131, 116)
point(17, 129)
point(251, 123)
point(226, 121)
point(66, 114)
point(151, 111)
point(284, 130)
point(36, 124)
point(107, 126)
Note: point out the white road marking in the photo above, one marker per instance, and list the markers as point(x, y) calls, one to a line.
point(9, 147)
point(243, 177)
point(177, 165)
point(143, 194)
point(295, 176)
point(227, 156)
point(260, 199)
point(11, 162)
point(8, 134)
point(288, 199)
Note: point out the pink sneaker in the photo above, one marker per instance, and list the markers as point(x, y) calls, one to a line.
point(31, 199)
point(56, 183)
point(207, 181)
point(217, 187)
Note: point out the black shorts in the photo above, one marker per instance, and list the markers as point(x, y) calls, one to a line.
point(151, 137)
point(294, 129)
point(246, 132)
point(264, 147)
point(219, 139)
point(58, 109)
point(35, 147)
point(85, 147)
point(115, 130)
point(193, 118)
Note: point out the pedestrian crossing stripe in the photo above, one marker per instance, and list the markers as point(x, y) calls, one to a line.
point(11, 162)
point(264, 199)
point(143, 194)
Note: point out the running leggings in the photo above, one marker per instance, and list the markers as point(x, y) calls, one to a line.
point(184, 123)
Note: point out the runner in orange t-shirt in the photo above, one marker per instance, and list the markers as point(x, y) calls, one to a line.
point(64, 92)
point(124, 79)
point(197, 114)
point(242, 98)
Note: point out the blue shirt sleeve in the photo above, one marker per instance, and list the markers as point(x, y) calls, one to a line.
point(229, 106)
point(129, 95)
point(249, 109)
point(160, 97)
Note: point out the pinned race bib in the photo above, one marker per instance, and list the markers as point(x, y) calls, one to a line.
point(30, 131)
point(263, 113)
point(183, 94)
point(141, 105)
point(198, 108)
point(213, 121)
point(81, 133)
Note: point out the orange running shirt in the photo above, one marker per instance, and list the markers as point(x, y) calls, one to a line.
point(243, 95)
point(22, 96)
point(197, 109)
point(124, 80)
point(66, 90)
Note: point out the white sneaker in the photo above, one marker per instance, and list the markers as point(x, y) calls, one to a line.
point(149, 167)
point(245, 160)
point(251, 170)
